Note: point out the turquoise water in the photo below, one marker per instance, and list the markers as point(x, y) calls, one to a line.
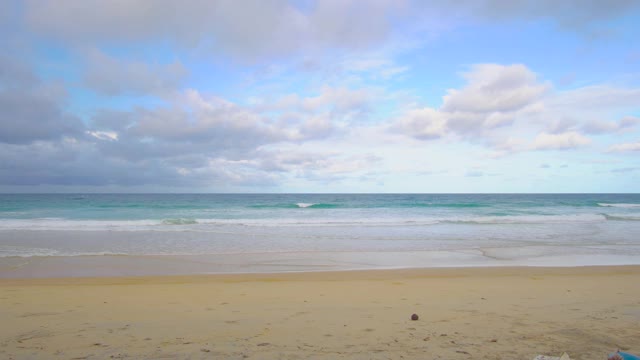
point(506, 229)
point(106, 207)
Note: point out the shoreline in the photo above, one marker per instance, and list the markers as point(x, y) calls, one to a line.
point(281, 263)
point(336, 275)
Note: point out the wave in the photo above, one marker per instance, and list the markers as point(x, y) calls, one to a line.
point(15, 252)
point(179, 221)
point(619, 205)
point(299, 205)
point(529, 219)
point(303, 205)
point(621, 217)
point(316, 206)
point(438, 205)
point(192, 224)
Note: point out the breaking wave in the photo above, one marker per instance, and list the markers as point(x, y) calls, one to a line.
point(619, 205)
point(300, 205)
point(623, 217)
point(179, 224)
point(179, 221)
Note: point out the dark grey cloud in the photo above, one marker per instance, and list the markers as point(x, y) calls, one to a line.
point(575, 14)
point(581, 16)
point(251, 30)
point(32, 110)
point(344, 23)
point(192, 140)
point(320, 164)
point(112, 76)
point(9, 13)
point(94, 163)
point(15, 74)
point(27, 117)
point(246, 29)
point(109, 119)
point(83, 163)
point(220, 128)
point(201, 125)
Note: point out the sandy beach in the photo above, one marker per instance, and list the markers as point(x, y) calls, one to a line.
point(472, 313)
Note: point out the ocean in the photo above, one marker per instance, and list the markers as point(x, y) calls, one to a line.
point(299, 232)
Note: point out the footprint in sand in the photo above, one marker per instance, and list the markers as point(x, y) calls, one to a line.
point(36, 334)
point(30, 314)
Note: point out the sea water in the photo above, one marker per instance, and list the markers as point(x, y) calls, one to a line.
point(360, 230)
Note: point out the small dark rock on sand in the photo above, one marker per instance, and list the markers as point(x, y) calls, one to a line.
point(414, 317)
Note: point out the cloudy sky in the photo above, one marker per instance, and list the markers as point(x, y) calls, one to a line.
point(320, 96)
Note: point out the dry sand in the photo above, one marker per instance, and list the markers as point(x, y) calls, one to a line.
point(473, 313)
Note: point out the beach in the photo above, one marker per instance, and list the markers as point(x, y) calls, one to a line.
point(304, 276)
point(319, 179)
point(464, 313)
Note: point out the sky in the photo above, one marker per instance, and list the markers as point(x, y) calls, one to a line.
point(375, 96)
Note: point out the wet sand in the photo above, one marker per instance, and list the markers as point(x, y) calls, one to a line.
point(465, 313)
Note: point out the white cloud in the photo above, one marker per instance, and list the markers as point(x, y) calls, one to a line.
point(501, 106)
point(339, 99)
point(596, 97)
point(625, 147)
point(495, 88)
point(494, 96)
point(601, 127)
point(208, 119)
point(316, 127)
point(376, 66)
point(563, 141)
point(423, 124)
point(474, 173)
point(316, 166)
point(104, 135)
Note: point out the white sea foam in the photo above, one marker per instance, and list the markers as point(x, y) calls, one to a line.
point(21, 251)
point(303, 232)
point(619, 205)
point(529, 219)
point(623, 217)
point(304, 205)
point(64, 224)
point(181, 224)
point(179, 221)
